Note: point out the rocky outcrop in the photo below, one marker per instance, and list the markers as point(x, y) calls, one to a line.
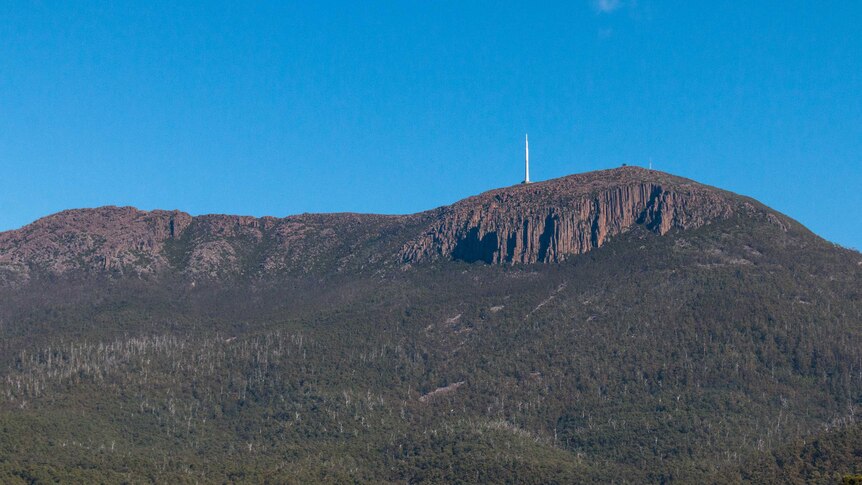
point(127, 241)
point(541, 222)
point(113, 239)
point(550, 221)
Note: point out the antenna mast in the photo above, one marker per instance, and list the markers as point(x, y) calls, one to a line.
point(526, 159)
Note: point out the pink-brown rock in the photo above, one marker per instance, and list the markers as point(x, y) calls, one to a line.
point(551, 221)
point(541, 222)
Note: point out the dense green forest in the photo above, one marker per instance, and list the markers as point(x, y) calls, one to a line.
point(728, 353)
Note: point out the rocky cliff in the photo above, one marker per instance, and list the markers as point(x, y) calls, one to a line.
point(550, 221)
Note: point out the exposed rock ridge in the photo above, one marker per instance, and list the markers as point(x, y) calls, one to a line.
point(106, 238)
point(128, 241)
point(541, 222)
point(548, 222)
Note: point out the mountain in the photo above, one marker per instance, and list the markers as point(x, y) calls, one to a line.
point(540, 222)
point(624, 325)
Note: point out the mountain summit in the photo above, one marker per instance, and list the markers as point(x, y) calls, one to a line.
point(540, 222)
point(553, 220)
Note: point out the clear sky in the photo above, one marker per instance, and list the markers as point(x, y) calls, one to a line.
point(276, 108)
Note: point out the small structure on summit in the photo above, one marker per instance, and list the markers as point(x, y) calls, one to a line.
point(526, 159)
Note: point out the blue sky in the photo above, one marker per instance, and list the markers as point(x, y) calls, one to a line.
point(278, 108)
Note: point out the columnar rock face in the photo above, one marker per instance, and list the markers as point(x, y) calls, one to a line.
point(550, 221)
